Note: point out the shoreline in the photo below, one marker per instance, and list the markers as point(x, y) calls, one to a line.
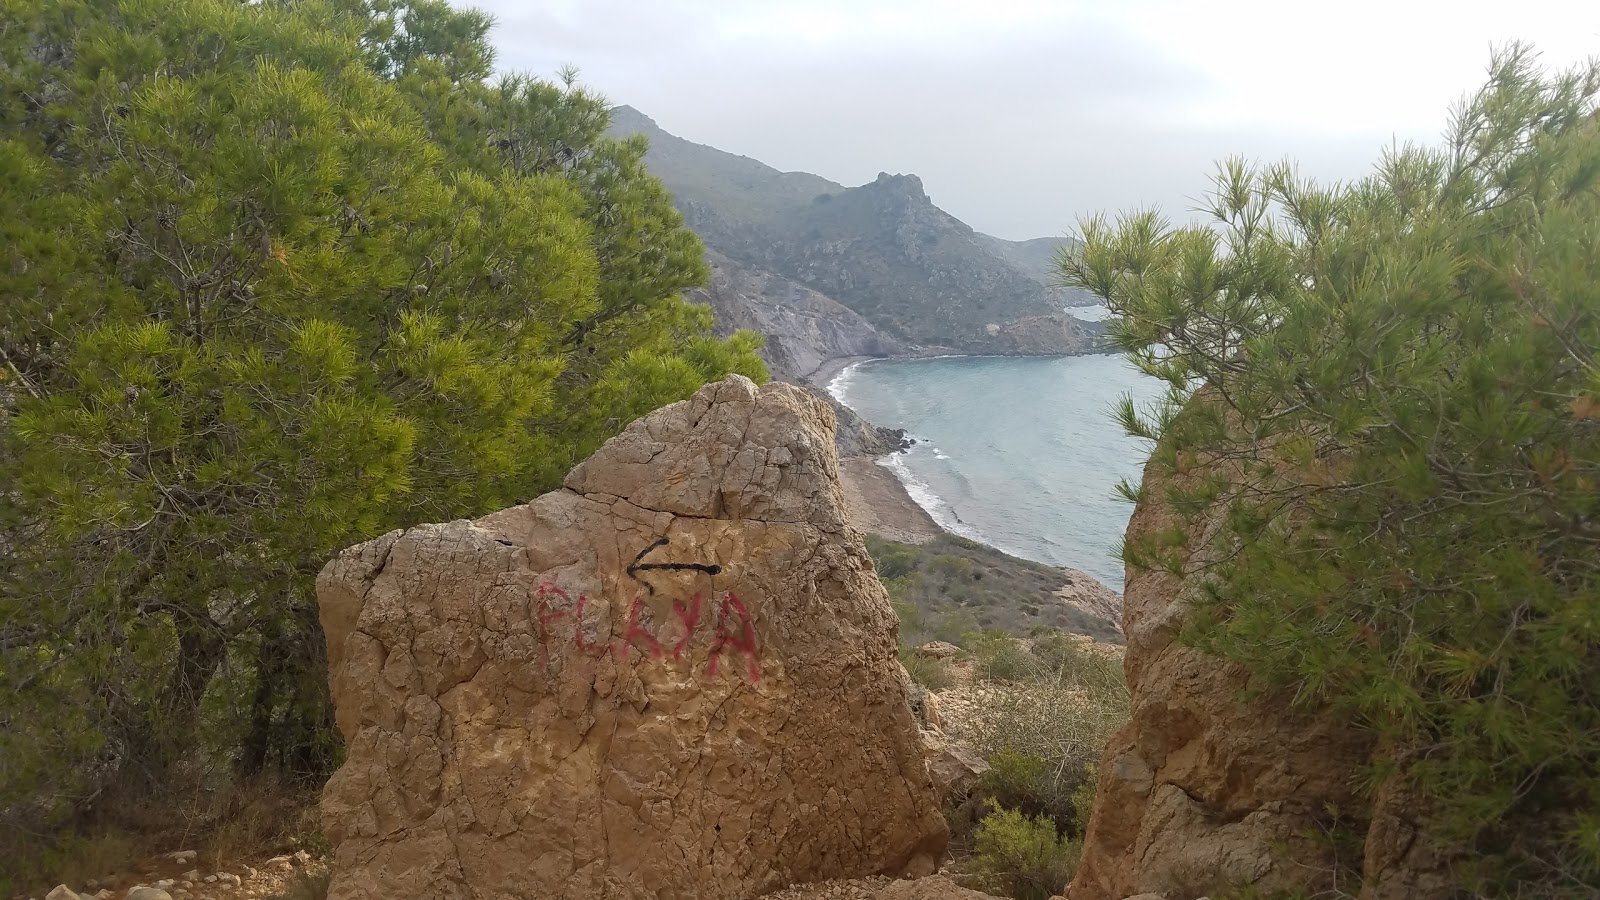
point(824, 374)
point(878, 503)
point(829, 369)
point(886, 497)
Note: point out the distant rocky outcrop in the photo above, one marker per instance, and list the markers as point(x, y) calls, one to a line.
point(1086, 594)
point(804, 328)
point(1214, 787)
point(674, 677)
point(917, 274)
point(857, 436)
point(885, 250)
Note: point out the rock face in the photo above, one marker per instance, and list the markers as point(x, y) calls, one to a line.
point(857, 436)
point(804, 329)
point(885, 250)
point(1086, 594)
point(675, 678)
point(1202, 790)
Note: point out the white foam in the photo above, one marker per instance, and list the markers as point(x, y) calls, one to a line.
point(944, 515)
point(838, 384)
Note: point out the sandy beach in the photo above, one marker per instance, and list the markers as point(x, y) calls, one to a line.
point(878, 503)
point(876, 500)
point(826, 372)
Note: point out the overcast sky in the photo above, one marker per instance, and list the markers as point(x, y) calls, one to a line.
point(1021, 116)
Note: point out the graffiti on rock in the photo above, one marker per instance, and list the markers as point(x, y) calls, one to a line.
point(734, 632)
point(639, 565)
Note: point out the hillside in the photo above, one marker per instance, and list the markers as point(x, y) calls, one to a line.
point(804, 328)
point(883, 249)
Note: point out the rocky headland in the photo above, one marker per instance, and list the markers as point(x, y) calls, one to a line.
point(828, 271)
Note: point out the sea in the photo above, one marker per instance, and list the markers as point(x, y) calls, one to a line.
point(1020, 453)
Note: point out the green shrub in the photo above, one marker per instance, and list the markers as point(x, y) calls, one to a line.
point(1403, 377)
point(944, 575)
point(951, 566)
point(1014, 781)
point(910, 617)
point(931, 673)
point(1041, 737)
point(307, 886)
point(1000, 658)
point(954, 626)
point(1024, 855)
point(1083, 800)
point(1071, 663)
point(892, 560)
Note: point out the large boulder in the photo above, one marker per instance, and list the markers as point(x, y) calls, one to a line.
point(1216, 786)
point(675, 677)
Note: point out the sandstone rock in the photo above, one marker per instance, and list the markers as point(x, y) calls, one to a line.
point(939, 650)
point(954, 771)
point(675, 677)
point(61, 892)
point(1085, 593)
point(143, 892)
point(1203, 789)
point(932, 712)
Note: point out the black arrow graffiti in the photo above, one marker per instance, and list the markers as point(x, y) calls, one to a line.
point(638, 565)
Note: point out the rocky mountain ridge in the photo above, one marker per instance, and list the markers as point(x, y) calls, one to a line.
point(920, 278)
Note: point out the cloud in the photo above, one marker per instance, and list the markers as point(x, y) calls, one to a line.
point(1023, 115)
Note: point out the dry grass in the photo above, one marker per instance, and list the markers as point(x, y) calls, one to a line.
point(251, 820)
point(308, 886)
point(263, 816)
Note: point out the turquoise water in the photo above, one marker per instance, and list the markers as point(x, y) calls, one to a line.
point(1019, 453)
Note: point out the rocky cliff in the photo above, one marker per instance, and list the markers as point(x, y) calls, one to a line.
point(675, 677)
point(1216, 787)
point(912, 269)
point(804, 328)
point(916, 273)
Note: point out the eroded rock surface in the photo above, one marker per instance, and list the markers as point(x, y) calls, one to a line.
point(803, 328)
point(1086, 594)
point(675, 678)
point(1204, 789)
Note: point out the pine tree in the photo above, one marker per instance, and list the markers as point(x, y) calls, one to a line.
point(1386, 398)
point(276, 278)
